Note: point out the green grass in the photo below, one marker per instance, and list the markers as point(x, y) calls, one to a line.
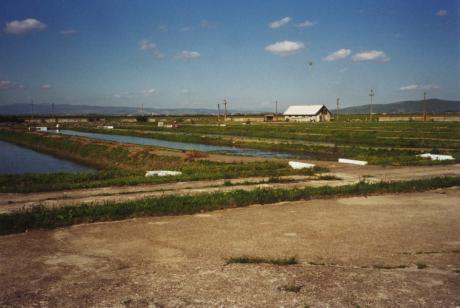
point(257, 260)
point(193, 171)
point(41, 217)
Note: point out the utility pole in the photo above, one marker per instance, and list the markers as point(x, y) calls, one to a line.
point(32, 108)
point(225, 110)
point(142, 109)
point(337, 110)
point(276, 111)
point(371, 94)
point(218, 112)
point(52, 109)
point(424, 106)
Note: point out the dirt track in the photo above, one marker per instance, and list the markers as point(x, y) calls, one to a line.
point(180, 261)
point(347, 174)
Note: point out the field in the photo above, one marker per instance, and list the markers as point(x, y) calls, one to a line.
point(379, 143)
point(235, 230)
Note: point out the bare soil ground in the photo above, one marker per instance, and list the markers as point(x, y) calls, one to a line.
point(381, 251)
point(347, 174)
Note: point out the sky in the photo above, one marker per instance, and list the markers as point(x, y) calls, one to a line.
point(194, 54)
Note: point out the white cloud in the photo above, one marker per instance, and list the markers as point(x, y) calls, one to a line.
point(280, 23)
point(285, 48)
point(185, 91)
point(371, 55)
point(24, 26)
point(68, 32)
point(46, 86)
point(441, 13)
point(123, 95)
point(163, 28)
point(149, 92)
point(338, 55)
point(146, 45)
point(306, 24)
point(8, 85)
point(413, 87)
point(129, 95)
point(204, 23)
point(187, 55)
point(185, 29)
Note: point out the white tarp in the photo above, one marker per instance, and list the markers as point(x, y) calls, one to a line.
point(352, 161)
point(300, 165)
point(162, 173)
point(436, 156)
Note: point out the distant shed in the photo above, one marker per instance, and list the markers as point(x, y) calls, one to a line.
point(307, 113)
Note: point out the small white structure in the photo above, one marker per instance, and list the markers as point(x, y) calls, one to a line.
point(161, 124)
point(41, 129)
point(436, 156)
point(162, 173)
point(352, 161)
point(108, 126)
point(307, 113)
point(300, 165)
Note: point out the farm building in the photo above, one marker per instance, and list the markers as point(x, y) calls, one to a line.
point(307, 113)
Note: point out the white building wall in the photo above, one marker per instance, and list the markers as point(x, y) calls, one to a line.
point(302, 118)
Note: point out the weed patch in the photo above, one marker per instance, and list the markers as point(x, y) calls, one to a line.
point(291, 288)
point(41, 217)
point(256, 260)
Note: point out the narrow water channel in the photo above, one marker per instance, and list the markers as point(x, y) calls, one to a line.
point(17, 160)
point(179, 145)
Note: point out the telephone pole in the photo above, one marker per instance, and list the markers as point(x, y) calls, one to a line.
point(337, 110)
point(276, 111)
point(32, 106)
point(218, 112)
point(371, 94)
point(424, 106)
point(225, 110)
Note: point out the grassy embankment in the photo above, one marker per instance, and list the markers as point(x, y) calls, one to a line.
point(41, 217)
point(122, 165)
point(385, 134)
point(377, 143)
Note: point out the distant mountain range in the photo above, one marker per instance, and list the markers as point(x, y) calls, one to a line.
point(71, 110)
point(433, 106)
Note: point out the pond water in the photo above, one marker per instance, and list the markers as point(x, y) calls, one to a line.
point(179, 145)
point(16, 160)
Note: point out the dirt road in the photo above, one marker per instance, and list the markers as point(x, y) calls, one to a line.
point(390, 250)
point(346, 173)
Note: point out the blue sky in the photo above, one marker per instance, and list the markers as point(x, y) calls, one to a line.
point(194, 54)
